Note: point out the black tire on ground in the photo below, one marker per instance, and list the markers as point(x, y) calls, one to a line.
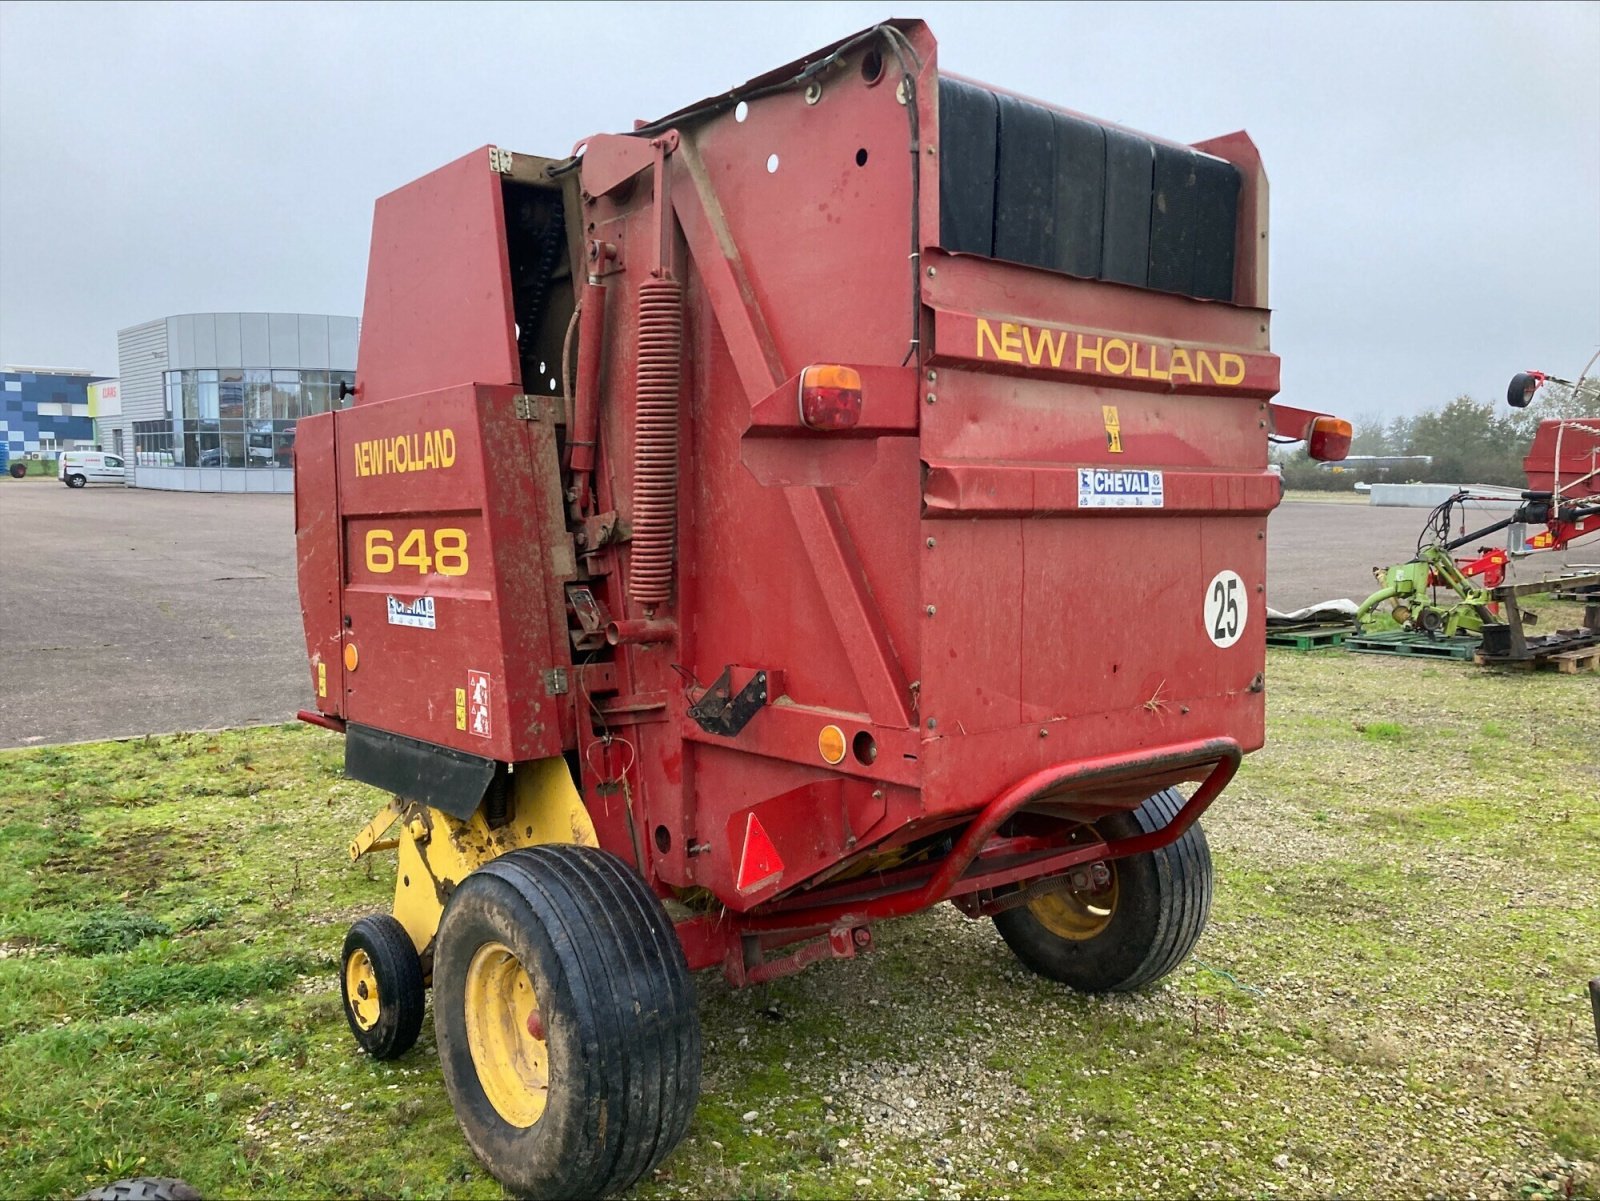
point(1156, 914)
point(144, 1188)
point(77, 481)
point(566, 941)
point(379, 959)
point(18, 470)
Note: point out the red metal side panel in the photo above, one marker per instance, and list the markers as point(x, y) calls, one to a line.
point(1059, 630)
point(316, 530)
point(450, 573)
point(1580, 456)
point(438, 309)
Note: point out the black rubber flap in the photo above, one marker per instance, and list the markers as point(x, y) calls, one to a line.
point(1080, 198)
point(1028, 184)
point(1172, 220)
point(1025, 185)
point(1130, 161)
point(1216, 221)
point(438, 776)
point(967, 125)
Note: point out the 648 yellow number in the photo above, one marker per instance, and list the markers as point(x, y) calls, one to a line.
point(448, 554)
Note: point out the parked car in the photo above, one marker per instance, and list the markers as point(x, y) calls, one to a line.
point(79, 468)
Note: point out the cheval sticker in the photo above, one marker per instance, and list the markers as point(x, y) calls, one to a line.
point(417, 613)
point(478, 704)
point(1105, 488)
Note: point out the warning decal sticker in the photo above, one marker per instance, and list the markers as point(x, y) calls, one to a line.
point(478, 704)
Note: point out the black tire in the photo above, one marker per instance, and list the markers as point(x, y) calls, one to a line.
point(609, 983)
point(1161, 903)
point(1520, 392)
point(77, 481)
point(144, 1188)
point(396, 970)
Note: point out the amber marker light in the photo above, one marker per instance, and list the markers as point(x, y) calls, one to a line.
point(830, 397)
point(1330, 439)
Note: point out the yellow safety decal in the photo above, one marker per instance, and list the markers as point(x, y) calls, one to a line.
point(461, 708)
point(1113, 429)
point(322, 678)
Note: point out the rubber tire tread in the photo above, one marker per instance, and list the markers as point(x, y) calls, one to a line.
point(143, 1188)
point(1185, 867)
point(1182, 881)
point(399, 971)
point(614, 957)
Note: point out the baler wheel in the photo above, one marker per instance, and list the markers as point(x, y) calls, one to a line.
point(566, 1022)
point(1139, 928)
point(381, 982)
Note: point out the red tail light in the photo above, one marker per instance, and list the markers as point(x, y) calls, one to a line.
point(830, 397)
point(1330, 439)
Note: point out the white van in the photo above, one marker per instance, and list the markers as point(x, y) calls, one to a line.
point(79, 467)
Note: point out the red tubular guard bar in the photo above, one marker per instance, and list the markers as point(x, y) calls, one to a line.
point(948, 879)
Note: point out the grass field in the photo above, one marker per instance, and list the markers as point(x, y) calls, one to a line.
point(1389, 1000)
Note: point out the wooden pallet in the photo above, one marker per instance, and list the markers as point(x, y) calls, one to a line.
point(1312, 636)
point(1577, 661)
point(1462, 647)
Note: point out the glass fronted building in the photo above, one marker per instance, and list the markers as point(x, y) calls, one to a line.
point(210, 400)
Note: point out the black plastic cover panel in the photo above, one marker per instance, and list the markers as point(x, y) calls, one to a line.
point(1028, 184)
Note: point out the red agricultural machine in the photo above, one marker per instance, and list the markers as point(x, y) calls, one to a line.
point(714, 562)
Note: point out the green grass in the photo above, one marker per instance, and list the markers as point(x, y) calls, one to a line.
point(1388, 1001)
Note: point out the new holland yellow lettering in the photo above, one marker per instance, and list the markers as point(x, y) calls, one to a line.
point(985, 330)
point(1133, 368)
point(447, 447)
point(1120, 349)
point(1180, 364)
point(1086, 353)
point(1232, 370)
point(1010, 342)
point(1055, 346)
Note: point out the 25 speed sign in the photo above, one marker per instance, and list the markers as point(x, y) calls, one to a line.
point(1227, 607)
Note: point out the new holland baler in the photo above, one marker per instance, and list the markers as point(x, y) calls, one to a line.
point(843, 495)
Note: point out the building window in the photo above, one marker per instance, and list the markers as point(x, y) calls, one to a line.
point(236, 417)
point(153, 444)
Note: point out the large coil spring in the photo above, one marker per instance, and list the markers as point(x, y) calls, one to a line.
point(655, 447)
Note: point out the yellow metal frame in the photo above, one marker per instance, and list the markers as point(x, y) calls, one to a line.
point(437, 851)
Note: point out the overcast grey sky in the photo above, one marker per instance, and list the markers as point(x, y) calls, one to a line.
point(1435, 169)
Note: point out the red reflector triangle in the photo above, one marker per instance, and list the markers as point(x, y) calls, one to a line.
point(759, 862)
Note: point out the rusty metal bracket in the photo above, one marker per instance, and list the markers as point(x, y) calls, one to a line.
point(538, 408)
point(719, 711)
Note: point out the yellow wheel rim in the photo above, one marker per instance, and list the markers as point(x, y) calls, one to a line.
point(361, 990)
point(1077, 914)
point(513, 1065)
